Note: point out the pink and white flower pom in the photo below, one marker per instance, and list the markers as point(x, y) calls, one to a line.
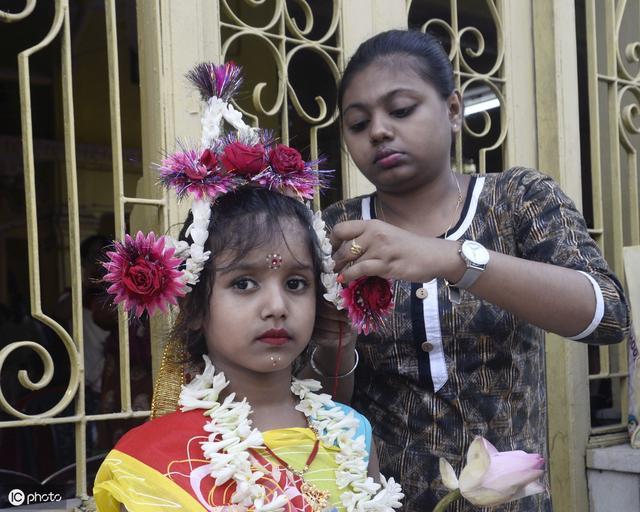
point(144, 274)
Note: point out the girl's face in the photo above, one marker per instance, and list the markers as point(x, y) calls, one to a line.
point(262, 308)
point(397, 126)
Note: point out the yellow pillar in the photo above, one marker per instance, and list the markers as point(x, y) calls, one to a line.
point(558, 132)
point(360, 20)
point(172, 38)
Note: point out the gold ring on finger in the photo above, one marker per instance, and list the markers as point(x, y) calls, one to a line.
point(356, 249)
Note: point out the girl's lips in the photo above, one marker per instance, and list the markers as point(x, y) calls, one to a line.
point(275, 337)
point(389, 161)
point(274, 341)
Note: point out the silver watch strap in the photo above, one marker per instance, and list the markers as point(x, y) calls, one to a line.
point(470, 276)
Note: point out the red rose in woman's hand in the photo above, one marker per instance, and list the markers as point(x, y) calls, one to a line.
point(243, 159)
point(285, 159)
point(143, 277)
point(375, 291)
point(368, 301)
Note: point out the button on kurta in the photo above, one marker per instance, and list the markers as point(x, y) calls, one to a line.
point(422, 293)
point(426, 346)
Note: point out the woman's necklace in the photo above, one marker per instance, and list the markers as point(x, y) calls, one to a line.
point(232, 442)
point(455, 212)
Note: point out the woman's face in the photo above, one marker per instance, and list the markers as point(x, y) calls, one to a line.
point(397, 127)
point(263, 305)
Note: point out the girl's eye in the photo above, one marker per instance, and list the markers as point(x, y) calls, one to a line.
point(402, 112)
point(358, 127)
point(244, 284)
point(296, 284)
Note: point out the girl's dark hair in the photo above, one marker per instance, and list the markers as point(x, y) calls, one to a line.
point(240, 221)
point(431, 61)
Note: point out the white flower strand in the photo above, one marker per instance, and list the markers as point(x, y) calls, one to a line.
point(328, 277)
point(231, 437)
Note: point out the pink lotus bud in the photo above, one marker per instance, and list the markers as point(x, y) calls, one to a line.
point(492, 478)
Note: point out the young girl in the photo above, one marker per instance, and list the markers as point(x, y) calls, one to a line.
point(248, 436)
point(482, 266)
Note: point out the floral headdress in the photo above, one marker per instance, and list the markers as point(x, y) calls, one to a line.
point(146, 273)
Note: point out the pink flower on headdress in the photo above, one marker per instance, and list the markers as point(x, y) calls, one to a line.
point(243, 159)
point(143, 274)
point(222, 81)
point(197, 174)
point(368, 301)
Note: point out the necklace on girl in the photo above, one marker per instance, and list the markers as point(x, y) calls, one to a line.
point(233, 444)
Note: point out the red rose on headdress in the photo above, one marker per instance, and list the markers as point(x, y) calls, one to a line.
point(285, 159)
point(200, 168)
point(243, 159)
point(143, 277)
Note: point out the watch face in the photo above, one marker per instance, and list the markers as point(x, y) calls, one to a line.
point(475, 252)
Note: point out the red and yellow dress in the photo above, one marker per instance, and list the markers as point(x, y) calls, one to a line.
point(160, 466)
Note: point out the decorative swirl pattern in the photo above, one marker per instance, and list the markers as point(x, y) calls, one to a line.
point(629, 117)
point(285, 36)
point(486, 119)
point(8, 17)
point(631, 50)
point(302, 33)
point(463, 57)
point(277, 14)
point(256, 94)
point(60, 22)
point(322, 105)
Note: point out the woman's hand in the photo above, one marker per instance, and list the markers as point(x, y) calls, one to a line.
point(392, 252)
point(330, 325)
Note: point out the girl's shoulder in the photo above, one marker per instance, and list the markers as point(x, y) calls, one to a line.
point(364, 427)
point(163, 434)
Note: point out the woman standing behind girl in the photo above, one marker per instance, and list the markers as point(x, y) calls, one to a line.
point(483, 265)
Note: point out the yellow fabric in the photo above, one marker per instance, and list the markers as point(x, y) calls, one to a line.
point(124, 479)
point(294, 445)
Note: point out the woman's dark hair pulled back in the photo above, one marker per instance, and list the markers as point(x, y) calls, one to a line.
point(431, 61)
point(241, 221)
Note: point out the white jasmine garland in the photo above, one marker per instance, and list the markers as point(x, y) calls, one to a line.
point(328, 277)
point(231, 436)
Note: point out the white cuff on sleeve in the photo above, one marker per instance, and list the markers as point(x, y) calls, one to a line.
point(599, 313)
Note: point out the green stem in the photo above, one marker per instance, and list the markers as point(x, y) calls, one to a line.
point(447, 500)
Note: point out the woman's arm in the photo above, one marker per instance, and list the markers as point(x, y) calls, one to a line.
point(373, 470)
point(557, 299)
point(554, 275)
point(331, 326)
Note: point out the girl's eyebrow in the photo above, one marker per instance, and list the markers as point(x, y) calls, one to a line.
point(253, 266)
point(386, 97)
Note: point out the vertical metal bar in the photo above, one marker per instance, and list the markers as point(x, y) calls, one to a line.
point(456, 75)
point(118, 187)
point(74, 246)
point(611, 37)
point(282, 48)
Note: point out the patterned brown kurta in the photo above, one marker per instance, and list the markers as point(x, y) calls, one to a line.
point(483, 370)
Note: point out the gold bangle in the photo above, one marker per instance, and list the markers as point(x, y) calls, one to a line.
point(319, 372)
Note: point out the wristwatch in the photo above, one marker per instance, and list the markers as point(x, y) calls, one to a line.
point(476, 258)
